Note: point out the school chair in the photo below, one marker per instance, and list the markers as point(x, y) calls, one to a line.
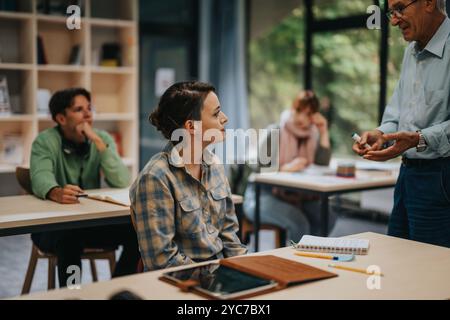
point(238, 182)
point(246, 226)
point(91, 254)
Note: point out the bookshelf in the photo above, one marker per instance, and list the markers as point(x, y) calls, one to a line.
point(114, 88)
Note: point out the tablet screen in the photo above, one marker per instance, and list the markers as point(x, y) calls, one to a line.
point(221, 281)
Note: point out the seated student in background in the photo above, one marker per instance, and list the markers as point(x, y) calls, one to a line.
point(67, 159)
point(304, 140)
point(181, 200)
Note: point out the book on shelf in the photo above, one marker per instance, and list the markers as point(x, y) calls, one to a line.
point(12, 149)
point(111, 55)
point(41, 56)
point(8, 5)
point(5, 104)
point(75, 55)
point(43, 99)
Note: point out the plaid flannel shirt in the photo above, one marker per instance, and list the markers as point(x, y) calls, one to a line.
point(180, 220)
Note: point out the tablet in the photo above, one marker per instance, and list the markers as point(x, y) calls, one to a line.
point(221, 282)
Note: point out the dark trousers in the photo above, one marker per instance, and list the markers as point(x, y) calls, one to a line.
point(422, 203)
point(68, 246)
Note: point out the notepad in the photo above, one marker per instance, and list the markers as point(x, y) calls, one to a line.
point(337, 245)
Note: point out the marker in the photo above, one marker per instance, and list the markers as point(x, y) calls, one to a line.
point(357, 138)
point(338, 257)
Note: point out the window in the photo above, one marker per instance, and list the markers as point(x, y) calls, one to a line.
point(275, 68)
point(328, 9)
point(346, 77)
point(396, 49)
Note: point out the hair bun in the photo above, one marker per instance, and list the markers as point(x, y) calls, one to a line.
point(155, 118)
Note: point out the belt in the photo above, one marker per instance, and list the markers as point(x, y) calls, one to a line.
point(424, 162)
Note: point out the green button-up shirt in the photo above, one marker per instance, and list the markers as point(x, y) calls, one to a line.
point(51, 166)
point(421, 100)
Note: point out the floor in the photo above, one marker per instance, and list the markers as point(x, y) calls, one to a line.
point(15, 251)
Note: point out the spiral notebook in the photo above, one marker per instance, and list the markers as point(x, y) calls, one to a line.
point(335, 245)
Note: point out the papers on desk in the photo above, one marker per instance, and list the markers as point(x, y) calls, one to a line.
point(315, 170)
point(117, 197)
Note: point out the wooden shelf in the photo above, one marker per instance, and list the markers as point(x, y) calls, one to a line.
point(114, 90)
point(114, 116)
point(55, 18)
point(61, 68)
point(15, 15)
point(113, 70)
point(44, 117)
point(16, 66)
point(16, 117)
point(7, 168)
point(99, 22)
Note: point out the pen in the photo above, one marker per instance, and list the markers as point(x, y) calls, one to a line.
point(82, 195)
point(357, 138)
point(354, 270)
point(316, 255)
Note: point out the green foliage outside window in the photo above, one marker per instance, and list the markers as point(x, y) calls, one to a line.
point(346, 70)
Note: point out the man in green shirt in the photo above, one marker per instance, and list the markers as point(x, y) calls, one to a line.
point(67, 159)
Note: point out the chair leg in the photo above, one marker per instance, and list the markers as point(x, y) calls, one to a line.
point(277, 238)
point(93, 270)
point(112, 262)
point(52, 262)
point(30, 270)
point(283, 238)
point(280, 238)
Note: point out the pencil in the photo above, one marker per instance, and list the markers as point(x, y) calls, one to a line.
point(354, 270)
point(316, 255)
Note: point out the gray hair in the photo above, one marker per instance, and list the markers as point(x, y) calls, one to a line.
point(440, 4)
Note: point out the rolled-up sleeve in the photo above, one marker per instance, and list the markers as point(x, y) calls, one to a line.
point(438, 138)
point(42, 172)
point(116, 173)
point(154, 210)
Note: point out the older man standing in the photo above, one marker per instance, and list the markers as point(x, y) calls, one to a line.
point(416, 124)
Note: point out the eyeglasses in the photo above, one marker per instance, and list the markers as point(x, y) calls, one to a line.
point(398, 12)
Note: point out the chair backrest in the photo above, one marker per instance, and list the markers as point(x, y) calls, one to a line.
point(133, 222)
point(23, 177)
point(140, 265)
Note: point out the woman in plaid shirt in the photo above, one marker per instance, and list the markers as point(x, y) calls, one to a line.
point(181, 200)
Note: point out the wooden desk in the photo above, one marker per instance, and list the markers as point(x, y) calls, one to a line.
point(27, 214)
point(323, 182)
point(412, 270)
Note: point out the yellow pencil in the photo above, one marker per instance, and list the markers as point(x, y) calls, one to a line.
point(315, 255)
point(355, 270)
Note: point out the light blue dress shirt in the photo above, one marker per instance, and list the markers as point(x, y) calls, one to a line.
point(421, 100)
